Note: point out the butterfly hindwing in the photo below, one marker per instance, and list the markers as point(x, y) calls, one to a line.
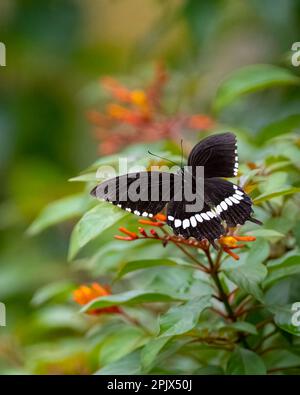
point(229, 201)
point(204, 224)
point(141, 193)
point(218, 155)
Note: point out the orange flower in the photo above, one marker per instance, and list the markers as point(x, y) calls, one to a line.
point(137, 115)
point(117, 90)
point(200, 121)
point(85, 294)
point(229, 243)
point(136, 97)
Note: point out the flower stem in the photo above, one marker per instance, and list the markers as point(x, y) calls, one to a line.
point(188, 254)
point(135, 322)
point(223, 296)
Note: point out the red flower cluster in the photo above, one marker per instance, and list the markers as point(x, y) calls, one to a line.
point(137, 116)
point(227, 243)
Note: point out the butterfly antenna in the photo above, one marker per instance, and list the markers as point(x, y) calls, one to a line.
point(161, 157)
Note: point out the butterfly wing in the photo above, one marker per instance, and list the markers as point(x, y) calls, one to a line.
point(142, 193)
point(200, 225)
point(229, 201)
point(218, 155)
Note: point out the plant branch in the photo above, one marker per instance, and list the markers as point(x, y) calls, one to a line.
point(187, 253)
point(135, 322)
point(215, 277)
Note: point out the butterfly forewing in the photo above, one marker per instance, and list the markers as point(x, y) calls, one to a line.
point(218, 155)
point(142, 193)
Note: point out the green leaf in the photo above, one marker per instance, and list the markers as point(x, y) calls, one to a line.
point(58, 211)
point(116, 345)
point(50, 291)
point(92, 224)
point(211, 370)
point(129, 298)
point(283, 126)
point(242, 326)
point(128, 365)
point(287, 267)
point(269, 234)
point(147, 263)
point(285, 358)
point(271, 195)
point(151, 350)
point(245, 362)
point(285, 291)
point(259, 251)
point(88, 177)
point(248, 278)
point(283, 317)
point(60, 317)
point(181, 319)
point(249, 79)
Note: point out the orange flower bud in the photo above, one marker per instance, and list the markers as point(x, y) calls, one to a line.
point(160, 217)
point(151, 223)
point(132, 235)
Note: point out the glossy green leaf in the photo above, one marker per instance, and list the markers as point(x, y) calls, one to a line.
point(287, 318)
point(284, 291)
point(269, 234)
point(287, 267)
point(92, 224)
point(130, 298)
point(243, 326)
point(51, 291)
point(128, 365)
point(271, 195)
point(147, 263)
point(248, 278)
point(124, 341)
point(259, 251)
point(289, 124)
point(210, 370)
point(181, 319)
point(151, 350)
point(88, 177)
point(282, 358)
point(245, 362)
point(250, 79)
point(58, 211)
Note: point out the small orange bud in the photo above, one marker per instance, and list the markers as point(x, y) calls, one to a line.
point(132, 235)
point(154, 233)
point(125, 238)
point(143, 232)
point(151, 223)
point(245, 238)
point(160, 217)
point(229, 252)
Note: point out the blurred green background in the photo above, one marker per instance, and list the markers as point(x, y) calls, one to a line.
point(56, 52)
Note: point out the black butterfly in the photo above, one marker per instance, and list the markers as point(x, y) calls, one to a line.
point(223, 200)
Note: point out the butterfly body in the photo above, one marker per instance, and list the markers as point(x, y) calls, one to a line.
point(211, 201)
